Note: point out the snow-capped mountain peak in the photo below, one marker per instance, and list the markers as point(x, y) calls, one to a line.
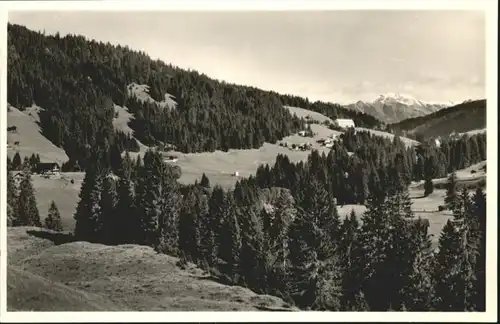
point(391, 97)
point(394, 107)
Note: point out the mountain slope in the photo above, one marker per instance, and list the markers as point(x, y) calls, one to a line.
point(391, 108)
point(462, 118)
point(84, 276)
point(29, 136)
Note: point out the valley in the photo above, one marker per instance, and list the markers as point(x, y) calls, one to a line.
point(137, 185)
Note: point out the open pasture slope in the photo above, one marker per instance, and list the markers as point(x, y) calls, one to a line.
point(29, 137)
point(81, 276)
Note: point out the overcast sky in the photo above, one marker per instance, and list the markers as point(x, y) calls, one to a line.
point(338, 56)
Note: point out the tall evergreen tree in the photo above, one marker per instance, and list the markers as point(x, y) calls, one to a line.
point(148, 199)
point(126, 222)
point(451, 191)
point(87, 210)
point(479, 213)
point(428, 187)
point(205, 182)
point(16, 162)
point(27, 213)
point(188, 230)
point(229, 239)
point(458, 248)
point(352, 298)
point(53, 219)
point(252, 253)
point(107, 210)
point(206, 246)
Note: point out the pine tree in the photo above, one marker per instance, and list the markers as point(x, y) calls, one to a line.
point(350, 265)
point(27, 213)
point(385, 250)
point(107, 209)
point(479, 284)
point(458, 249)
point(229, 239)
point(53, 219)
point(206, 245)
point(312, 283)
point(16, 162)
point(170, 205)
point(428, 187)
point(451, 191)
point(252, 253)
point(188, 230)
point(87, 210)
point(125, 216)
point(205, 182)
point(148, 199)
point(418, 289)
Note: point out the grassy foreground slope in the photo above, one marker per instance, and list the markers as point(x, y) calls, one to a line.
point(81, 276)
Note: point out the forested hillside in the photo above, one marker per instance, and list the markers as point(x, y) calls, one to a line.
point(77, 81)
point(461, 118)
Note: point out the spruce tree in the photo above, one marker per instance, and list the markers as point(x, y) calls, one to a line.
point(16, 162)
point(53, 219)
point(87, 210)
point(479, 284)
point(252, 253)
point(428, 187)
point(170, 204)
point(352, 298)
point(385, 249)
point(148, 199)
point(188, 230)
point(418, 289)
point(451, 191)
point(229, 239)
point(205, 182)
point(107, 209)
point(125, 216)
point(206, 246)
point(313, 283)
point(454, 274)
point(27, 213)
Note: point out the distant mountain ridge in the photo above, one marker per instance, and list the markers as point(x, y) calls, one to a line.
point(395, 107)
point(464, 117)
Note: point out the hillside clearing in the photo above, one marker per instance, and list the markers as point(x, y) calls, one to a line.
point(141, 92)
point(303, 113)
point(121, 120)
point(84, 276)
point(30, 138)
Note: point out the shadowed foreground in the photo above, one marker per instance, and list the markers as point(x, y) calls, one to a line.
point(48, 272)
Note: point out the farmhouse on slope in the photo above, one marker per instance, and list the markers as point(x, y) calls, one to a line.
point(344, 123)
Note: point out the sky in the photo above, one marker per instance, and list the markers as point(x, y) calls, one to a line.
point(336, 56)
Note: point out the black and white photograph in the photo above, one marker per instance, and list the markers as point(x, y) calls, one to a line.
point(316, 161)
